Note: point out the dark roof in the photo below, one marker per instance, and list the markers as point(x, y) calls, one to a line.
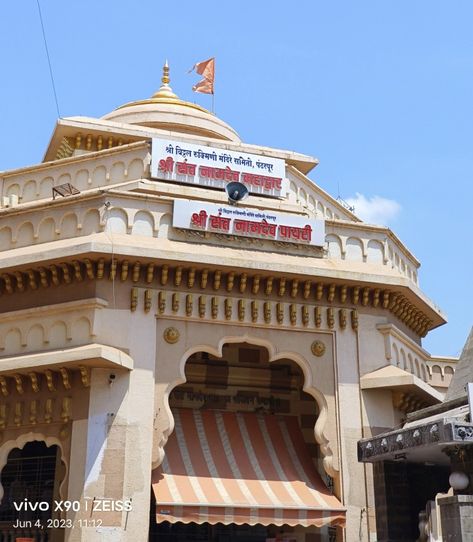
point(463, 372)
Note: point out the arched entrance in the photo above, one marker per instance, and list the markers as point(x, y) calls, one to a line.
point(30, 481)
point(262, 417)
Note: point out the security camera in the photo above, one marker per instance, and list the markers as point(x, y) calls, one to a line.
point(111, 378)
point(107, 204)
point(236, 192)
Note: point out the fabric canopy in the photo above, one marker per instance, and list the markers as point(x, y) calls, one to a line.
point(227, 467)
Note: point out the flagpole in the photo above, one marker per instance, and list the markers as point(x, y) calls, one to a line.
point(213, 88)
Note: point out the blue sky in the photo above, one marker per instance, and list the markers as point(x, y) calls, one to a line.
point(379, 91)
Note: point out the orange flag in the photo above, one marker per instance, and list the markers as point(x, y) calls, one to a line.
point(207, 69)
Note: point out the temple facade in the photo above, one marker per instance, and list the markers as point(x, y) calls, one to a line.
point(194, 336)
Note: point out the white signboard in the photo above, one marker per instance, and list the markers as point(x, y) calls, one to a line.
point(235, 220)
point(213, 167)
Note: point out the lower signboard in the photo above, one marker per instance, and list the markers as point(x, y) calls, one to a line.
point(247, 222)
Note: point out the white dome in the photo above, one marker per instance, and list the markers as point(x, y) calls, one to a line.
point(167, 111)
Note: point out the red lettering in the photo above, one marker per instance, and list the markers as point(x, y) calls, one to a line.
point(199, 220)
point(219, 223)
point(184, 168)
point(166, 165)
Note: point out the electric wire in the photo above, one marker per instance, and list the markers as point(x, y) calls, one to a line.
point(49, 59)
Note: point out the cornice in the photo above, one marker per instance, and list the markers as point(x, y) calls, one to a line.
point(56, 308)
point(349, 294)
point(90, 355)
point(89, 156)
point(304, 163)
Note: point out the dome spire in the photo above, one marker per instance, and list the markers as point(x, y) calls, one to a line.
point(165, 79)
point(165, 91)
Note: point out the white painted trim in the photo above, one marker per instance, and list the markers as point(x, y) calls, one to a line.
point(57, 308)
point(93, 355)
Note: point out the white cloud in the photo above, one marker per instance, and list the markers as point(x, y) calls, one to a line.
point(375, 210)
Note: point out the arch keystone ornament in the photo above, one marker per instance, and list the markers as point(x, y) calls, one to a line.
point(318, 348)
point(171, 335)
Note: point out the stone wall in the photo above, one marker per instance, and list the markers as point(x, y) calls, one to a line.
point(456, 513)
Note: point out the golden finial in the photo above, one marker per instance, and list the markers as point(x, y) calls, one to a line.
point(165, 79)
point(165, 91)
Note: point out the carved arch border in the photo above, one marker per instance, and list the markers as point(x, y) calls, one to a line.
point(20, 443)
point(274, 355)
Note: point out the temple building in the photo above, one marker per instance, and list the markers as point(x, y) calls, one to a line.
point(194, 336)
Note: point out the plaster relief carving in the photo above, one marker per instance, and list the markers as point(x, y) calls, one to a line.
point(171, 335)
point(31, 335)
point(173, 375)
point(318, 348)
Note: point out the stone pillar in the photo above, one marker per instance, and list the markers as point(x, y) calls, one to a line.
point(111, 450)
point(456, 515)
point(351, 424)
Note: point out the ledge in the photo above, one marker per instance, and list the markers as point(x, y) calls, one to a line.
point(395, 378)
point(55, 308)
point(455, 499)
point(90, 355)
point(231, 257)
point(428, 442)
point(68, 127)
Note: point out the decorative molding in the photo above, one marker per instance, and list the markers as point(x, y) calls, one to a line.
point(65, 149)
point(318, 348)
point(408, 402)
point(148, 300)
point(404, 352)
point(84, 376)
point(56, 308)
point(164, 422)
point(234, 310)
point(444, 431)
point(171, 335)
point(133, 299)
point(354, 320)
point(390, 330)
point(392, 443)
point(80, 270)
point(463, 432)
point(66, 381)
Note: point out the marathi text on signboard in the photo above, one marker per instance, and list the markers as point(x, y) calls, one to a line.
point(212, 167)
point(232, 220)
